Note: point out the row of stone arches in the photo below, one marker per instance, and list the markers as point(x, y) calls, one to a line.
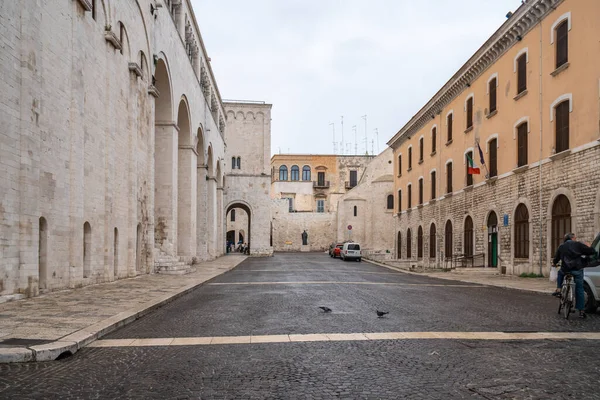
point(442, 246)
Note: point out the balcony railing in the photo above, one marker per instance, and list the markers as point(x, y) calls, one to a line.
point(324, 184)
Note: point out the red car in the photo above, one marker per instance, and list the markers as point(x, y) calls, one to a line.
point(334, 249)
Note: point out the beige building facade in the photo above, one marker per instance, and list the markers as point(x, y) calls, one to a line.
point(530, 99)
point(305, 190)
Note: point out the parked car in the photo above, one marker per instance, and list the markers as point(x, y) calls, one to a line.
point(351, 251)
point(591, 281)
point(334, 249)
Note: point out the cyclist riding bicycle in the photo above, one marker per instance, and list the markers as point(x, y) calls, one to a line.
point(571, 253)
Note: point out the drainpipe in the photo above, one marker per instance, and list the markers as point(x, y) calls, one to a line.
point(541, 151)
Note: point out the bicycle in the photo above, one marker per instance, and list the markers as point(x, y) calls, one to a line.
point(567, 295)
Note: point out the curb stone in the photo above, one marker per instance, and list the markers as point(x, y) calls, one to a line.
point(81, 338)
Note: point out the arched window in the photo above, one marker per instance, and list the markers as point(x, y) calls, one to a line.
point(492, 91)
point(239, 163)
point(399, 200)
point(283, 173)
point(420, 242)
point(561, 220)
point(432, 241)
point(408, 244)
point(233, 162)
point(522, 148)
point(468, 237)
point(521, 232)
point(399, 245)
point(295, 173)
point(433, 139)
point(522, 73)
point(390, 202)
point(562, 43)
point(233, 215)
point(355, 211)
point(306, 173)
point(448, 242)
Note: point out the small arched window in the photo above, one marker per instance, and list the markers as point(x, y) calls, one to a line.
point(390, 202)
point(233, 162)
point(295, 173)
point(239, 163)
point(233, 215)
point(522, 232)
point(562, 43)
point(283, 173)
point(355, 211)
point(468, 237)
point(306, 173)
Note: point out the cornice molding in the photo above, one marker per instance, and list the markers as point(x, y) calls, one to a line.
point(520, 23)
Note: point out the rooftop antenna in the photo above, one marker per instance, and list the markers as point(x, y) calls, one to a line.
point(355, 140)
point(342, 134)
point(377, 139)
point(366, 140)
point(334, 145)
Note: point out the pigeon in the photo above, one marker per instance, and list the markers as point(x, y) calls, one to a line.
point(325, 309)
point(380, 314)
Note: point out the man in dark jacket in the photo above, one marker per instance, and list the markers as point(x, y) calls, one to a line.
point(571, 254)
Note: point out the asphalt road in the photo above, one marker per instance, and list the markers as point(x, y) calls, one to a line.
point(281, 296)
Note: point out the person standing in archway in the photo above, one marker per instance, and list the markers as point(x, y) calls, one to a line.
point(304, 238)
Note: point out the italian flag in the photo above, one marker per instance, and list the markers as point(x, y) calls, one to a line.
point(472, 169)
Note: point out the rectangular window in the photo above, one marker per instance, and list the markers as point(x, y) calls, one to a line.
point(469, 112)
point(420, 191)
point(290, 204)
point(421, 150)
point(493, 157)
point(522, 145)
point(433, 140)
point(522, 73)
point(562, 126)
point(353, 178)
point(321, 179)
point(400, 164)
point(433, 184)
point(562, 43)
point(467, 163)
point(449, 178)
point(320, 206)
point(492, 90)
point(409, 204)
point(409, 158)
point(449, 121)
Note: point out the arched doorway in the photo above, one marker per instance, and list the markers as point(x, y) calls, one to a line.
point(492, 228)
point(43, 253)
point(399, 245)
point(448, 243)
point(241, 226)
point(201, 199)
point(561, 220)
point(468, 237)
point(408, 244)
point(186, 167)
point(165, 143)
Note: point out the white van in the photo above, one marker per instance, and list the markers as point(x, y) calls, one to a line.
point(351, 251)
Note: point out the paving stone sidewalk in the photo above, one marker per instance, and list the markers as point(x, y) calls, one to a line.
point(488, 277)
point(41, 328)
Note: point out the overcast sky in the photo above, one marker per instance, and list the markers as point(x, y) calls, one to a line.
point(318, 60)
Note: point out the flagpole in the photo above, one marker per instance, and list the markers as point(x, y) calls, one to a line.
point(487, 172)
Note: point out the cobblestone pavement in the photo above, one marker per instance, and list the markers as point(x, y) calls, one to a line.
point(385, 369)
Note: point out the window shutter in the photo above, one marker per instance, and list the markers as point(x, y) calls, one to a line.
point(420, 191)
point(433, 184)
point(449, 178)
point(399, 200)
point(410, 158)
point(492, 91)
point(562, 43)
point(562, 126)
point(449, 122)
point(494, 157)
point(522, 143)
point(421, 149)
point(400, 165)
point(433, 139)
point(409, 204)
point(469, 112)
point(522, 73)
